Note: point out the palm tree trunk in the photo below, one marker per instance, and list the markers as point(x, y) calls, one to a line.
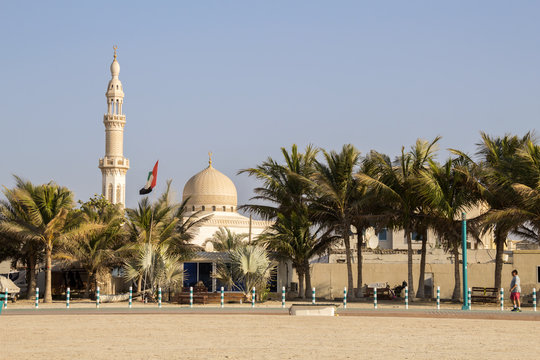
point(456, 294)
point(31, 276)
point(48, 276)
point(139, 284)
point(359, 278)
point(420, 292)
point(308, 279)
point(88, 285)
point(409, 263)
point(347, 242)
point(500, 238)
point(301, 292)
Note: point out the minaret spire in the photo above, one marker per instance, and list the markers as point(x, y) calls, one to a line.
point(114, 165)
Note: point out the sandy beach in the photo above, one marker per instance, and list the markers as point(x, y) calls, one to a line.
point(202, 336)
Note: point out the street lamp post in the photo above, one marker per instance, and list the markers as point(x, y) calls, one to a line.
point(464, 252)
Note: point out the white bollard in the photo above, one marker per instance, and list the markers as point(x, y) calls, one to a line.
point(534, 299)
point(469, 298)
point(222, 296)
point(375, 297)
point(345, 297)
point(130, 296)
point(283, 297)
point(37, 297)
point(67, 298)
point(97, 297)
point(501, 298)
point(313, 296)
point(253, 297)
point(159, 298)
point(438, 298)
point(406, 297)
point(191, 296)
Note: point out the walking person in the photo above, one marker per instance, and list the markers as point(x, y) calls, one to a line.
point(515, 291)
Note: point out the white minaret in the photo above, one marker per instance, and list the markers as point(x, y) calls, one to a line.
point(114, 165)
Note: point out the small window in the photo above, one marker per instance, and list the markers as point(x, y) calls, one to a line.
point(383, 236)
point(538, 274)
point(213, 208)
point(116, 87)
point(193, 208)
point(203, 208)
point(232, 209)
point(224, 208)
point(416, 236)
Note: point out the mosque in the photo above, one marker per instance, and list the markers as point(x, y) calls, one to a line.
point(209, 193)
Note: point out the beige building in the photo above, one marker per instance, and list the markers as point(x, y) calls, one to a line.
point(114, 165)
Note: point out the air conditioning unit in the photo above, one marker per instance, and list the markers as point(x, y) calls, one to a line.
point(294, 286)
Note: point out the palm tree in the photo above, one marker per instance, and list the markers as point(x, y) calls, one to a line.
point(286, 190)
point(96, 251)
point(496, 173)
point(16, 245)
point(447, 191)
point(368, 212)
point(252, 267)
point(295, 238)
point(224, 240)
point(394, 184)
point(336, 187)
point(48, 221)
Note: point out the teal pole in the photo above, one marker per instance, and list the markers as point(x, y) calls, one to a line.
point(159, 297)
point(67, 298)
point(466, 305)
point(37, 297)
point(130, 296)
point(222, 296)
point(283, 297)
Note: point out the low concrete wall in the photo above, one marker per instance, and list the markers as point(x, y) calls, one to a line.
point(330, 279)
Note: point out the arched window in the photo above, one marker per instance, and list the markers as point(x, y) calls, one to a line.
point(193, 208)
point(213, 208)
point(232, 209)
point(110, 193)
point(116, 87)
point(203, 208)
point(224, 208)
point(118, 193)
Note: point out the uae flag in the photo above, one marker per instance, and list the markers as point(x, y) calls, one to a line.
point(150, 182)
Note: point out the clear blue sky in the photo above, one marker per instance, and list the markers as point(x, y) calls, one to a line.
point(243, 78)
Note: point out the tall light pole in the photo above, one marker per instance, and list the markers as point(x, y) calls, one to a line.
point(464, 252)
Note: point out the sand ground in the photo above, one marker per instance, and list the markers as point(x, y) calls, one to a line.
point(199, 336)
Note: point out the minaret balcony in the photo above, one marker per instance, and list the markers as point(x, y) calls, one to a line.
point(114, 117)
point(111, 162)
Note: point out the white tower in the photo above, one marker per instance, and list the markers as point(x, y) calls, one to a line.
point(114, 165)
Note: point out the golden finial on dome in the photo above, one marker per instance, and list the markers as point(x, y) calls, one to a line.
point(210, 159)
point(115, 48)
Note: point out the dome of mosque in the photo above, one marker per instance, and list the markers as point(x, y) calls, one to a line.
point(210, 190)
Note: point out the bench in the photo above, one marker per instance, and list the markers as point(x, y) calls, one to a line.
point(210, 298)
point(382, 293)
point(484, 294)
